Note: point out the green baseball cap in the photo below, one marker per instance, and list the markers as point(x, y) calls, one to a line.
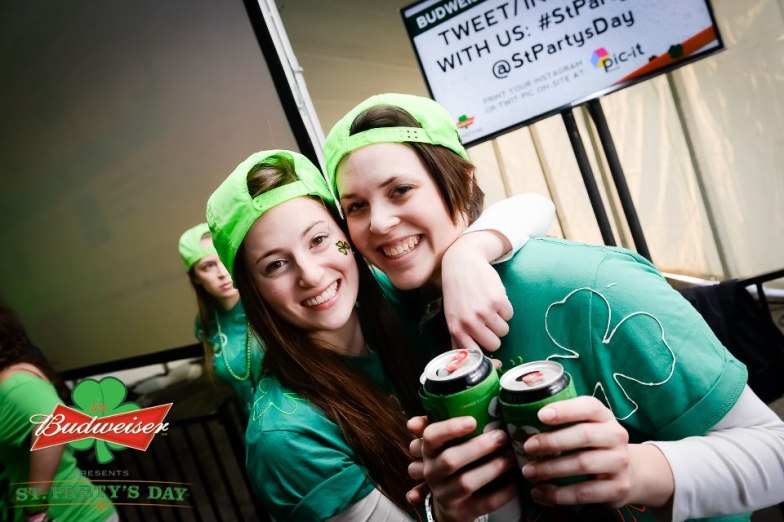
point(191, 250)
point(231, 210)
point(438, 128)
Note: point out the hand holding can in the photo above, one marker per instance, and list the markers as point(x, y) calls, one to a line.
point(465, 459)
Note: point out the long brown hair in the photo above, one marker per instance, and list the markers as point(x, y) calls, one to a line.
point(371, 424)
point(451, 173)
point(206, 304)
point(16, 347)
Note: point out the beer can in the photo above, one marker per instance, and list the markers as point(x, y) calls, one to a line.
point(460, 383)
point(526, 389)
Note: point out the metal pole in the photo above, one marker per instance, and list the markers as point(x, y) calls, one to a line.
point(590, 182)
point(282, 78)
point(698, 176)
point(595, 108)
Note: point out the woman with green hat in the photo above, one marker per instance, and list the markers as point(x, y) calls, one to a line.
point(326, 437)
point(666, 422)
point(232, 353)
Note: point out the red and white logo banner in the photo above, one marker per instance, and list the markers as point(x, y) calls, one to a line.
point(134, 429)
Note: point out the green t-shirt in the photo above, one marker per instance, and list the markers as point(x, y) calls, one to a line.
point(623, 334)
point(23, 395)
point(232, 351)
point(299, 464)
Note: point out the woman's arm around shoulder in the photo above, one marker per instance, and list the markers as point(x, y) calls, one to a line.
point(476, 307)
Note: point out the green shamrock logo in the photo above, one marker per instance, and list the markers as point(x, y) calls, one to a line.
point(288, 402)
point(101, 399)
point(343, 247)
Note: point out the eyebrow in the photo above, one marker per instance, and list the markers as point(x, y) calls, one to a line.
point(310, 227)
point(383, 184)
point(280, 250)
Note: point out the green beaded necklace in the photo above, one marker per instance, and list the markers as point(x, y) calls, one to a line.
point(223, 340)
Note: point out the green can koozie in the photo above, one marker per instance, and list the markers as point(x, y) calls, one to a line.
point(526, 389)
point(461, 383)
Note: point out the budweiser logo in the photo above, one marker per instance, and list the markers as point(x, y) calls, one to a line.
point(104, 421)
point(133, 430)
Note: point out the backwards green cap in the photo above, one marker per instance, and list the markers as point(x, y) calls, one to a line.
point(191, 250)
point(231, 210)
point(438, 128)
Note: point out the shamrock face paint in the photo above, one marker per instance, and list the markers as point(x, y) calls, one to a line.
point(343, 247)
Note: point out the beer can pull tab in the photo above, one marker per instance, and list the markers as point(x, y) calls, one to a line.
point(457, 361)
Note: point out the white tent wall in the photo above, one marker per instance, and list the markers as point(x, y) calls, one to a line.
point(734, 103)
point(701, 148)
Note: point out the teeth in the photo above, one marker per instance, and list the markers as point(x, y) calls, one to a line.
point(328, 294)
point(403, 248)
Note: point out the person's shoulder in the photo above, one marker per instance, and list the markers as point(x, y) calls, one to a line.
point(24, 373)
point(285, 428)
point(547, 256)
point(26, 392)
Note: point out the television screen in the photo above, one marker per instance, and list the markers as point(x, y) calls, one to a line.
point(499, 64)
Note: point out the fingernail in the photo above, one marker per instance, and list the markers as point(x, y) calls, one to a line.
point(467, 423)
point(546, 414)
point(499, 436)
point(529, 471)
point(531, 445)
point(537, 495)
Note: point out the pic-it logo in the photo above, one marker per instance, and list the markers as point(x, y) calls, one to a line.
point(103, 419)
point(600, 58)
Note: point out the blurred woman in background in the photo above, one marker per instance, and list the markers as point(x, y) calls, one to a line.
point(29, 480)
point(231, 352)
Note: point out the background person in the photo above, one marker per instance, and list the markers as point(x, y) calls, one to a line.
point(231, 352)
point(30, 480)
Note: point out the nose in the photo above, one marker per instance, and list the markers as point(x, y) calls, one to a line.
point(222, 272)
point(311, 273)
point(382, 219)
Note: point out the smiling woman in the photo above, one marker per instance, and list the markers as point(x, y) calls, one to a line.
point(326, 437)
point(396, 215)
point(322, 419)
point(665, 418)
point(299, 270)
